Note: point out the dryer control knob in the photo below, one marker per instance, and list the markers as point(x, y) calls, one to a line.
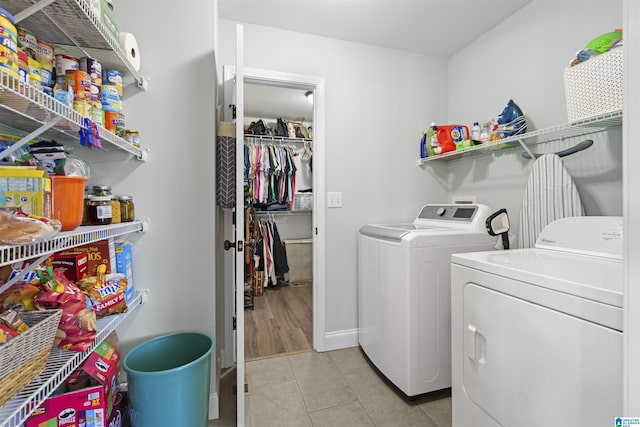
point(440, 211)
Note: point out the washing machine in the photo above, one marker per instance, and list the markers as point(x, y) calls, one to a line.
point(537, 333)
point(404, 295)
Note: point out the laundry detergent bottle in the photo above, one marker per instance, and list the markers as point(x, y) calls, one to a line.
point(450, 135)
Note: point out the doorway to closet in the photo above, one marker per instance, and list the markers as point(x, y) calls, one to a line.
point(303, 221)
point(278, 145)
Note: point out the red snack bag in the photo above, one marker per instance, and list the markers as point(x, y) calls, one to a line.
point(77, 328)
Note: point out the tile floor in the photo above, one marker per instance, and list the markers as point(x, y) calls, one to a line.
point(332, 389)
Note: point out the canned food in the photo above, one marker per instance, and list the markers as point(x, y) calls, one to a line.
point(45, 54)
point(94, 68)
point(96, 96)
point(82, 107)
point(46, 77)
point(64, 63)
point(6, 19)
point(9, 43)
point(23, 66)
point(80, 82)
point(9, 55)
point(113, 78)
point(113, 121)
point(9, 72)
point(27, 41)
point(133, 136)
point(111, 99)
point(97, 115)
point(7, 29)
point(34, 72)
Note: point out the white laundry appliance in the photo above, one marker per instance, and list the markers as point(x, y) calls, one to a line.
point(403, 292)
point(537, 333)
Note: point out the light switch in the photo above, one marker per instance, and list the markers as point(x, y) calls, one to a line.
point(334, 199)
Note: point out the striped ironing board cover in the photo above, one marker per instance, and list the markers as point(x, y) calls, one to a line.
point(551, 194)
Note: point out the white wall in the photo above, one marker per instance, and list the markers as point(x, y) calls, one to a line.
point(175, 188)
point(523, 58)
point(377, 102)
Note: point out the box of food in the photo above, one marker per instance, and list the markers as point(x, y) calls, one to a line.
point(27, 188)
point(124, 265)
point(72, 264)
point(98, 253)
point(120, 413)
point(90, 406)
point(86, 407)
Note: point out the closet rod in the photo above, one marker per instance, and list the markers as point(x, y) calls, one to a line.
point(566, 152)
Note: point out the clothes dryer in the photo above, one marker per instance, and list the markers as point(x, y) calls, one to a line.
point(404, 295)
point(537, 333)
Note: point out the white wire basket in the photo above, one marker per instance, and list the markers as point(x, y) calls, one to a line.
point(594, 87)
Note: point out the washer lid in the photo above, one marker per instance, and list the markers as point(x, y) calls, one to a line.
point(393, 232)
point(586, 276)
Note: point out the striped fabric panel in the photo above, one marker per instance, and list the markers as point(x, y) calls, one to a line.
point(551, 194)
point(226, 171)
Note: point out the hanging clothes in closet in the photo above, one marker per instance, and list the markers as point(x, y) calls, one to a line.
point(271, 256)
point(270, 172)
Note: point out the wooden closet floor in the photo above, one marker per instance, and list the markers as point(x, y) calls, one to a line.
point(280, 323)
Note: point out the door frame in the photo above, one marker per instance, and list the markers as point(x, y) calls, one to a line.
point(317, 85)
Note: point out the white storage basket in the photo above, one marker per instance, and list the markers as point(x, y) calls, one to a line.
point(300, 260)
point(302, 202)
point(594, 87)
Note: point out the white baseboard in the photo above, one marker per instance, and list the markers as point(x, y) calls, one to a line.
point(214, 410)
point(340, 339)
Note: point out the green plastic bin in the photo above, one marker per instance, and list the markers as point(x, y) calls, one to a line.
point(168, 380)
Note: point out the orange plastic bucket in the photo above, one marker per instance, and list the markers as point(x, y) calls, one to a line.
point(67, 196)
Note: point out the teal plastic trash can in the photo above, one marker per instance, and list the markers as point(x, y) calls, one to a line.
point(168, 380)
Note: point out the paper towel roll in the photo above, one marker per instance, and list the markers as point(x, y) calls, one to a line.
point(129, 45)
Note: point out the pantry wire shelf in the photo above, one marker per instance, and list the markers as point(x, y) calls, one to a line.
point(66, 240)
point(284, 213)
point(268, 139)
point(27, 107)
point(556, 133)
point(60, 365)
point(74, 30)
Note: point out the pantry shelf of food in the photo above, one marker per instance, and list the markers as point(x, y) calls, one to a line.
point(59, 365)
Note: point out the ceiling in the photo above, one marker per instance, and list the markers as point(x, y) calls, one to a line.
point(432, 27)
point(262, 101)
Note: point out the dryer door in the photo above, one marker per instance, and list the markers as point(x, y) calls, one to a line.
point(528, 365)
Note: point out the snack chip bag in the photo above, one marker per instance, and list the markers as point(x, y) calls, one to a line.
point(107, 293)
point(77, 328)
point(21, 294)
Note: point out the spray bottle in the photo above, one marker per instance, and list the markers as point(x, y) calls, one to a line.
point(423, 144)
point(432, 139)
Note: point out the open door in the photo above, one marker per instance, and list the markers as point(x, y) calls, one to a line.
point(239, 225)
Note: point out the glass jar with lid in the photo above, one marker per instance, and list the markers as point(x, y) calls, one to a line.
point(101, 190)
point(100, 212)
point(115, 210)
point(127, 209)
point(85, 209)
